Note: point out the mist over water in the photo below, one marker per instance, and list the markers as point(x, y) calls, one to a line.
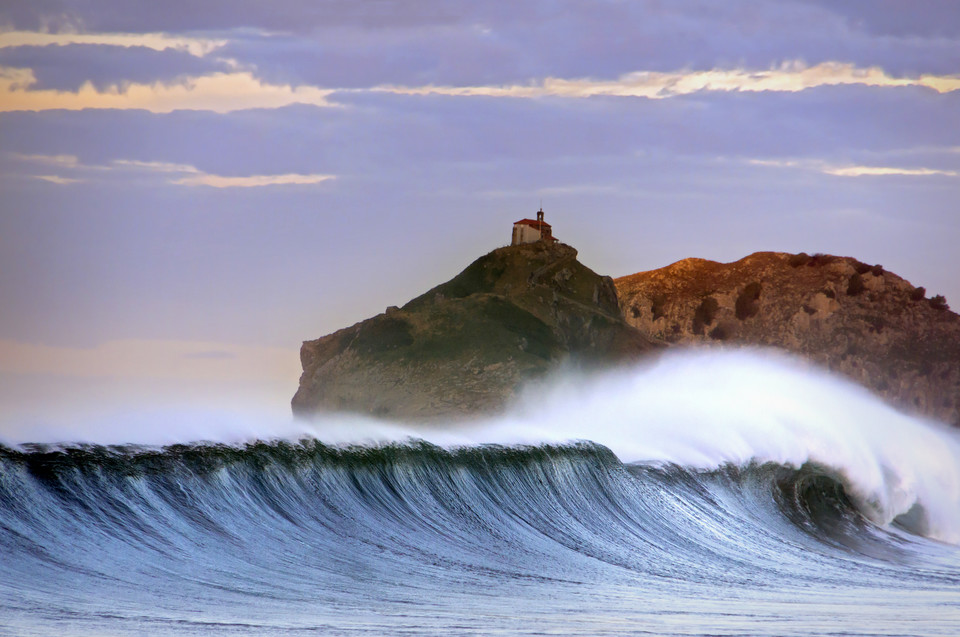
point(696, 409)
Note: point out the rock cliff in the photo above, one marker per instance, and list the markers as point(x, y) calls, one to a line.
point(466, 346)
point(853, 318)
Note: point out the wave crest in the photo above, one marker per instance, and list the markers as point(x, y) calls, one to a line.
point(698, 410)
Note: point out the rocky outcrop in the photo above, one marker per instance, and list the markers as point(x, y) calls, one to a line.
point(467, 345)
point(853, 318)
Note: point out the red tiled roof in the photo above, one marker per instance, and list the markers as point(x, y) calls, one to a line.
point(533, 223)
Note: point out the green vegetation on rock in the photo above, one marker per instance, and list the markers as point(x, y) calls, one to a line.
point(467, 345)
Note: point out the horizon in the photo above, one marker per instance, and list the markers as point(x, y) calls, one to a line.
point(190, 194)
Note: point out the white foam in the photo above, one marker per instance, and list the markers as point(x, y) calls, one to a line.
point(706, 409)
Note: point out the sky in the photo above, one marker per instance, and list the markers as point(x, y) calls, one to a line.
point(188, 190)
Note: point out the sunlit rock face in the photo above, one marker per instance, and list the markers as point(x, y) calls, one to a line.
point(466, 346)
point(860, 320)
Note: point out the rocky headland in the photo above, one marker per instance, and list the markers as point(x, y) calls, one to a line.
point(466, 346)
point(853, 318)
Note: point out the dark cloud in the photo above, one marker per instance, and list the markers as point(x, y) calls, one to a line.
point(371, 131)
point(359, 44)
point(599, 40)
point(923, 18)
point(816, 122)
point(187, 15)
point(67, 68)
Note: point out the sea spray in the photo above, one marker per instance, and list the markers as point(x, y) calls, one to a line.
point(709, 409)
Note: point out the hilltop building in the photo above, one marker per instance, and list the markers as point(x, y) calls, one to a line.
point(531, 231)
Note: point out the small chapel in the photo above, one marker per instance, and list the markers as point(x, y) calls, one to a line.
point(531, 231)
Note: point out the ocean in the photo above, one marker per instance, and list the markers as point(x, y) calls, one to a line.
point(730, 493)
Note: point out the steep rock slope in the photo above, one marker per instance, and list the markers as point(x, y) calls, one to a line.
point(856, 319)
point(465, 346)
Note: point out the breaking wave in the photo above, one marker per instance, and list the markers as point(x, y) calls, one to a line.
point(696, 411)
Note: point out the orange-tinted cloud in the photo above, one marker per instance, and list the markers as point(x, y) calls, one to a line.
point(217, 92)
point(198, 47)
point(792, 77)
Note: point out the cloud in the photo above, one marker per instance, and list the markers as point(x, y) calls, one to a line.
point(188, 15)
point(218, 181)
point(66, 161)
point(880, 171)
point(68, 67)
point(457, 43)
point(182, 174)
point(224, 92)
point(855, 125)
point(56, 179)
point(197, 47)
point(156, 166)
point(196, 177)
point(854, 170)
point(791, 77)
point(921, 18)
point(217, 92)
